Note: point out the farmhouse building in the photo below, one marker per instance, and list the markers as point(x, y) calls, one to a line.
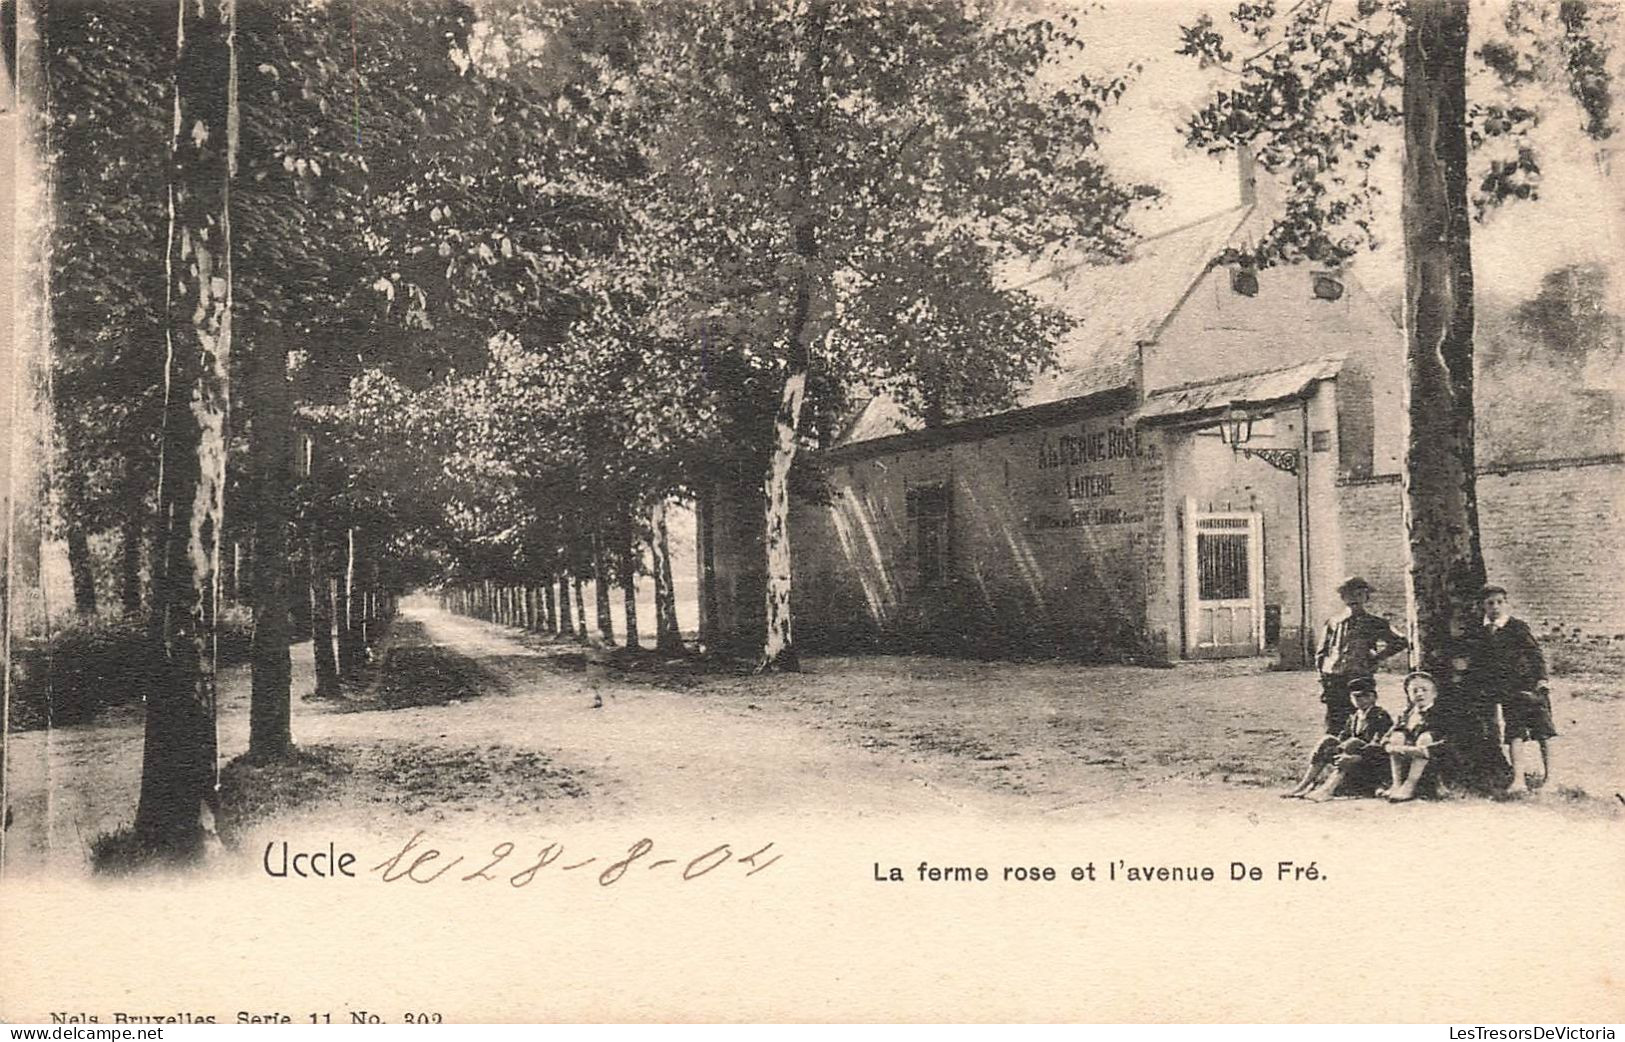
point(1215, 449)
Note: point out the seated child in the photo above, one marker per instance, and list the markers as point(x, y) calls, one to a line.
point(1350, 762)
point(1411, 745)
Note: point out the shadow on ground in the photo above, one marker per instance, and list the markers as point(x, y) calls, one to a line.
point(402, 768)
point(409, 777)
point(414, 672)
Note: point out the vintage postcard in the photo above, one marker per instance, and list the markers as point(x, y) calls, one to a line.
point(813, 510)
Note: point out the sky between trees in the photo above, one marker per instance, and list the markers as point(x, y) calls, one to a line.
point(1580, 217)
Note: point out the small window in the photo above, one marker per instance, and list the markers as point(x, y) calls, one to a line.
point(928, 520)
point(1320, 441)
point(1328, 285)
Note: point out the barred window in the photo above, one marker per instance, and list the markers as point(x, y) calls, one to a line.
point(1222, 569)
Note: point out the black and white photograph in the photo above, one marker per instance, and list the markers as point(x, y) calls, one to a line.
point(523, 511)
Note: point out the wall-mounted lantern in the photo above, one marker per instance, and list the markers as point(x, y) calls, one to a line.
point(1236, 428)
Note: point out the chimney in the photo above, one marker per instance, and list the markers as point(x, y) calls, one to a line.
point(1247, 175)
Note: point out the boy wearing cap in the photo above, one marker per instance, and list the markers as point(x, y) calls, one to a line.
point(1505, 666)
point(1351, 761)
point(1352, 644)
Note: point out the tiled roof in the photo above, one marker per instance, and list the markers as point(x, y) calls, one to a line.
point(877, 417)
point(1118, 307)
point(1115, 308)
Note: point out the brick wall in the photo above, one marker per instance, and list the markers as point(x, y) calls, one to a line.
point(1554, 535)
point(1050, 532)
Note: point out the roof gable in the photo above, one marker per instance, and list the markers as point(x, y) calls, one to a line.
point(1219, 332)
point(1114, 307)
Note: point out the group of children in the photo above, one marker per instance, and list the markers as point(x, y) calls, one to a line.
point(1365, 752)
point(1372, 747)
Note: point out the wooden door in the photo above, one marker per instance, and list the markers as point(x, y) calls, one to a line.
point(1224, 578)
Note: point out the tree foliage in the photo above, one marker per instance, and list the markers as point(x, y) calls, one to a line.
point(536, 267)
point(1314, 87)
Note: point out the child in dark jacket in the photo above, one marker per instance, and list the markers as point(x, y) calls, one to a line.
point(1349, 763)
point(1506, 668)
point(1411, 745)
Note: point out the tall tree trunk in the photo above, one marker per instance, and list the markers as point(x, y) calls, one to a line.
point(25, 336)
point(707, 520)
point(1440, 494)
point(178, 762)
point(566, 628)
point(600, 581)
point(668, 635)
point(360, 602)
point(230, 559)
point(270, 445)
point(629, 590)
point(662, 628)
point(806, 316)
point(341, 618)
point(321, 623)
point(581, 609)
point(130, 563)
point(552, 620)
point(345, 609)
point(82, 569)
point(779, 651)
point(370, 616)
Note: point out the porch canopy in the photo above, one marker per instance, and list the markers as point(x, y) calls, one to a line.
point(1211, 399)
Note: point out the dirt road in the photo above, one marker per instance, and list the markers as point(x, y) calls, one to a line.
point(531, 744)
point(479, 724)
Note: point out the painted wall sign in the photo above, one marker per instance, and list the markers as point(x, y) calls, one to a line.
point(1088, 446)
point(1093, 464)
point(1089, 486)
point(1084, 518)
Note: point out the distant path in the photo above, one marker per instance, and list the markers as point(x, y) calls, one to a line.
point(658, 752)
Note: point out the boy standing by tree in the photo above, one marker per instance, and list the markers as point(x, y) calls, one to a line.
point(1351, 646)
point(1506, 667)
